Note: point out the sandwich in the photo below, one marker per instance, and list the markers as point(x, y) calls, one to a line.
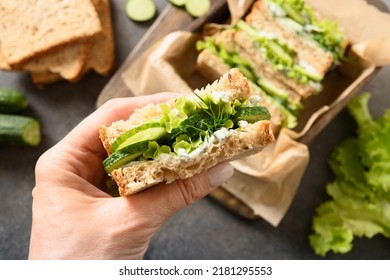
point(186, 135)
point(285, 64)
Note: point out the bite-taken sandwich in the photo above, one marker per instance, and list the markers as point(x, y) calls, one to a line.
point(186, 135)
point(283, 47)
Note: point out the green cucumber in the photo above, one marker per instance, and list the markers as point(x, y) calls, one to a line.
point(178, 3)
point(140, 10)
point(124, 156)
point(251, 114)
point(271, 89)
point(310, 74)
point(279, 52)
point(293, 14)
point(197, 8)
point(12, 101)
point(19, 130)
point(147, 131)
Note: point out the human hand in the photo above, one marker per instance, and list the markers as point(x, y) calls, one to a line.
point(73, 218)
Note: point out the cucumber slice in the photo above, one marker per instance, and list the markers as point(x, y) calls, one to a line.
point(293, 14)
point(19, 130)
point(271, 89)
point(12, 101)
point(251, 114)
point(124, 156)
point(197, 8)
point(178, 3)
point(309, 73)
point(147, 131)
point(140, 10)
point(279, 52)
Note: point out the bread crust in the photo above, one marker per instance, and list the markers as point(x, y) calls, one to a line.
point(138, 176)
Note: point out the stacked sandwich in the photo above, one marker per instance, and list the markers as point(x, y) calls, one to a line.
point(56, 39)
point(283, 47)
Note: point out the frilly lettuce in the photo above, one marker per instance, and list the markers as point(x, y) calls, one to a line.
point(360, 204)
point(154, 150)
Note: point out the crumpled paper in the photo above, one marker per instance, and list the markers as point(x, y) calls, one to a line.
point(267, 182)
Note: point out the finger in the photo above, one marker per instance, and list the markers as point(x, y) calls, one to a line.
point(164, 200)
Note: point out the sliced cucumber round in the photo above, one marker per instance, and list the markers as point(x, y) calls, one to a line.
point(124, 156)
point(140, 10)
point(197, 8)
point(251, 114)
point(147, 131)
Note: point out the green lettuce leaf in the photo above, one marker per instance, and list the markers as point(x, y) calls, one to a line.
point(360, 193)
point(155, 149)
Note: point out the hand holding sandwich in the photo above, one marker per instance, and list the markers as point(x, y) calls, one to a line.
point(73, 218)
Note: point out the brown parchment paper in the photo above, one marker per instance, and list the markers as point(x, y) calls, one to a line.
point(267, 182)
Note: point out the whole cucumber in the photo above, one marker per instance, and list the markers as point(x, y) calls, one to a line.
point(19, 130)
point(12, 101)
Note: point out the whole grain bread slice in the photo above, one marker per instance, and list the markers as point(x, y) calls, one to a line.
point(67, 62)
point(138, 176)
point(101, 55)
point(33, 27)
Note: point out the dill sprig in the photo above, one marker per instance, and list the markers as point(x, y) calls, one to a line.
point(216, 111)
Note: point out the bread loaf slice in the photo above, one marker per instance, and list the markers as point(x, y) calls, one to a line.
point(68, 62)
point(138, 176)
point(44, 77)
point(33, 27)
point(101, 55)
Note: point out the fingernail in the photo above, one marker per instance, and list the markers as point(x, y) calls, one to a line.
point(219, 174)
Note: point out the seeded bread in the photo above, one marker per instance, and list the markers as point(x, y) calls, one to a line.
point(33, 27)
point(167, 168)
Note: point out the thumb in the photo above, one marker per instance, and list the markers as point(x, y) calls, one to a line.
point(164, 200)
